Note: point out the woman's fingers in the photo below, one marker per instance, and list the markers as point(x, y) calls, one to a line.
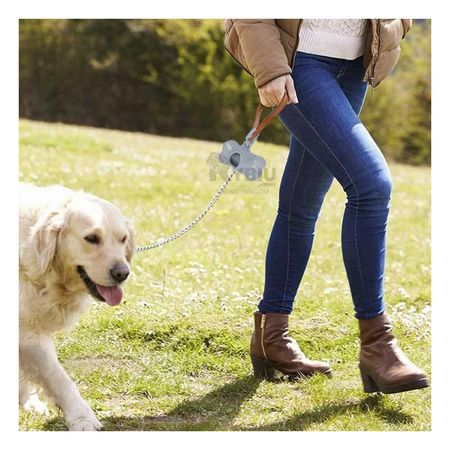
point(268, 98)
point(264, 100)
point(272, 92)
point(290, 89)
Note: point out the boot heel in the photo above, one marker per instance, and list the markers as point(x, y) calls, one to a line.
point(263, 369)
point(368, 382)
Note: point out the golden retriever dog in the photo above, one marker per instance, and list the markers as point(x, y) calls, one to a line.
point(74, 248)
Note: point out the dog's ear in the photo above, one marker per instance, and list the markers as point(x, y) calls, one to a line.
point(130, 248)
point(43, 239)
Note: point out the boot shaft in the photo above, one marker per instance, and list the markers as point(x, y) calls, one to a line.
point(383, 365)
point(375, 329)
point(269, 328)
point(271, 344)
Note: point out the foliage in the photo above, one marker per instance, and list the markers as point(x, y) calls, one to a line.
point(174, 77)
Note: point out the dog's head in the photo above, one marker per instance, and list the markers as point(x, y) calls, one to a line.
point(88, 244)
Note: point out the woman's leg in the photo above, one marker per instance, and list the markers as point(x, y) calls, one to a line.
point(383, 365)
point(303, 187)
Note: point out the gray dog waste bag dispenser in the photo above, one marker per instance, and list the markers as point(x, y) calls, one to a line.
point(239, 156)
point(242, 159)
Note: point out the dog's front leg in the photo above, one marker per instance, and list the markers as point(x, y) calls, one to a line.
point(38, 358)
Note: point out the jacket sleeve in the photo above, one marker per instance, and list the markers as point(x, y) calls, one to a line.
point(262, 49)
point(407, 23)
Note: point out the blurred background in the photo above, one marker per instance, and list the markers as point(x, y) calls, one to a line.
point(174, 77)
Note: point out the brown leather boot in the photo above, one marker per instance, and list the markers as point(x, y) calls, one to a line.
point(272, 349)
point(383, 365)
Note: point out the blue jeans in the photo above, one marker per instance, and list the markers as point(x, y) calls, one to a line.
point(329, 141)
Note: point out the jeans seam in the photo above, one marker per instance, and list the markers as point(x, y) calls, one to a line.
point(356, 189)
point(289, 229)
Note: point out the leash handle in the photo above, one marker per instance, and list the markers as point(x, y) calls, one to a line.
point(259, 126)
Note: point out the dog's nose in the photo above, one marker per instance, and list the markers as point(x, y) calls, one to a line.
point(120, 272)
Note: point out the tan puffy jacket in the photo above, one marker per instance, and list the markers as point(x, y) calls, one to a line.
point(266, 48)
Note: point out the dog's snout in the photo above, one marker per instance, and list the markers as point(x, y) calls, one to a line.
point(119, 272)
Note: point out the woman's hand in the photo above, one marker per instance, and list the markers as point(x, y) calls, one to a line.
point(272, 92)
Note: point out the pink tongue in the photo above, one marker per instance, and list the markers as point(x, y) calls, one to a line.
point(111, 294)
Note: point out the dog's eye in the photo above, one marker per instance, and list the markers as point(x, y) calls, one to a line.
point(92, 239)
point(123, 240)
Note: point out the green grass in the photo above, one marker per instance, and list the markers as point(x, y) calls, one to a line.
point(174, 355)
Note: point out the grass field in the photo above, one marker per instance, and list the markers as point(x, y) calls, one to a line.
point(174, 354)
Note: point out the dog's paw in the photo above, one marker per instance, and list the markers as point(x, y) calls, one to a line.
point(34, 404)
point(86, 424)
point(82, 418)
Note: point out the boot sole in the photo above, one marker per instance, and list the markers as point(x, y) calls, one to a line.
point(266, 370)
point(370, 384)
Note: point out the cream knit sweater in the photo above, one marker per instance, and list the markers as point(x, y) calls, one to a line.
point(338, 38)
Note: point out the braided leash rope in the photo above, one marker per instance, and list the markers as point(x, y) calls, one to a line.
point(186, 228)
point(258, 126)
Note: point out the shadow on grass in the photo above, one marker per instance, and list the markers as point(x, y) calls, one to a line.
point(217, 410)
point(376, 404)
point(214, 411)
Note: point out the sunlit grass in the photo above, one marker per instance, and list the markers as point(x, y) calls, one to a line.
point(174, 355)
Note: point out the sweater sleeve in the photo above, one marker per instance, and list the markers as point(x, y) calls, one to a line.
point(263, 52)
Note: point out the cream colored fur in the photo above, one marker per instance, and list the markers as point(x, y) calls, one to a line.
point(53, 222)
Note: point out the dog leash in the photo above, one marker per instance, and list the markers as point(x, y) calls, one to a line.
point(191, 225)
point(258, 126)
